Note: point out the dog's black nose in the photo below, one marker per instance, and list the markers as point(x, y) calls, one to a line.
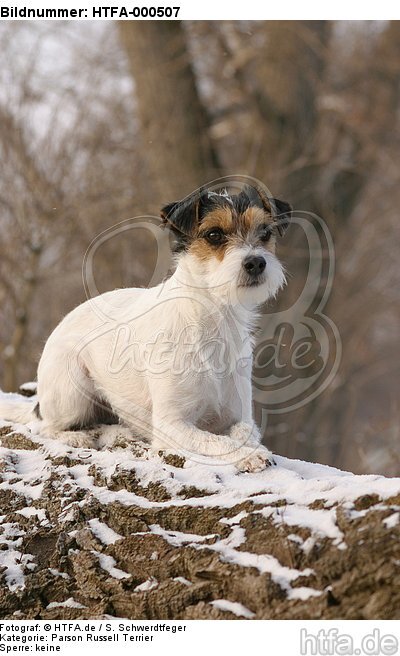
point(254, 265)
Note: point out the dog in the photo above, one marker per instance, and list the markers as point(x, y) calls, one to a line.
point(172, 363)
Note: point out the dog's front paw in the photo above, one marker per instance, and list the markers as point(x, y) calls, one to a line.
point(77, 439)
point(256, 461)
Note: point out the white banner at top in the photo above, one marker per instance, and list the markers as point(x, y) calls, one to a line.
point(191, 10)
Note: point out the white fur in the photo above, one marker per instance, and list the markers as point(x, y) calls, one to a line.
point(173, 362)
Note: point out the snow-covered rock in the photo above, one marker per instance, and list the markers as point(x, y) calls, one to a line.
point(122, 531)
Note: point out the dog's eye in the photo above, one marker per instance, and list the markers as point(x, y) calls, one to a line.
point(215, 236)
point(266, 233)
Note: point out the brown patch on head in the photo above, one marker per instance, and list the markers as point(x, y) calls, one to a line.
point(237, 229)
point(244, 217)
point(219, 219)
point(204, 251)
point(252, 218)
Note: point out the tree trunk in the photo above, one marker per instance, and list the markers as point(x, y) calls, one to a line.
point(11, 355)
point(174, 124)
point(297, 543)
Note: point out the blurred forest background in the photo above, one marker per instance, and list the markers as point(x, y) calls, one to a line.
point(102, 121)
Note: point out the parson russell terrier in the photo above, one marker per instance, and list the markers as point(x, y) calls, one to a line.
point(172, 363)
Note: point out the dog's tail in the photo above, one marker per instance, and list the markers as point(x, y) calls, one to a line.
point(14, 407)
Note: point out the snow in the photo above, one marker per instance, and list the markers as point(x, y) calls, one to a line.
point(181, 579)
point(14, 573)
point(56, 572)
point(103, 532)
point(226, 488)
point(177, 538)
point(285, 492)
point(303, 593)
point(150, 584)
point(295, 538)
point(31, 511)
point(234, 520)
point(68, 603)
point(227, 549)
point(392, 520)
point(13, 396)
point(233, 607)
point(12, 560)
point(108, 564)
point(321, 522)
point(31, 468)
point(29, 387)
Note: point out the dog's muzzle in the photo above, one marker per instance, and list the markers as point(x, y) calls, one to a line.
point(253, 268)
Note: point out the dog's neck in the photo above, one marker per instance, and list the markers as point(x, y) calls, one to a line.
point(198, 299)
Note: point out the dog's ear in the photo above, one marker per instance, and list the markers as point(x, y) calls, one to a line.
point(283, 215)
point(182, 217)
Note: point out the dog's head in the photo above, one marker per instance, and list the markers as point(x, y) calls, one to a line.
point(229, 240)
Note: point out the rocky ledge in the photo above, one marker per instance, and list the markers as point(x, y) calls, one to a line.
point(123, 532)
